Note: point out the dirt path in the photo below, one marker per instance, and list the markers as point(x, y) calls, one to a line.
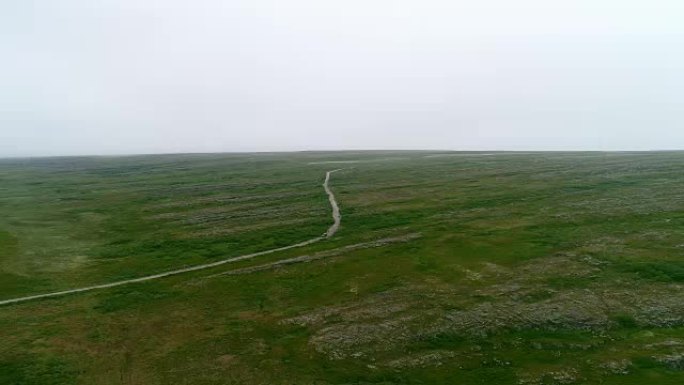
point(337, 218)
point(319, 255)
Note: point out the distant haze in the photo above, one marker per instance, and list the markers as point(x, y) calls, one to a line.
point(136, 76)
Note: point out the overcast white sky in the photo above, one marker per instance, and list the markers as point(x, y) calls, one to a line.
point(141, 76)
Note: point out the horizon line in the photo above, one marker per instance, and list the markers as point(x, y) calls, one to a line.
point(264, 152)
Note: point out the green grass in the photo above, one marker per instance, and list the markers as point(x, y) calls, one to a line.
point(543, 268)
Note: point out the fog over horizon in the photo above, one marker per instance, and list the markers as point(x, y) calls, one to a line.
point(137, 76)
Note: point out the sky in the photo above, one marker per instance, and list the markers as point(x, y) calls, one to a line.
point(141, 76)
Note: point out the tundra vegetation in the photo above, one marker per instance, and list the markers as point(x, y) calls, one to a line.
point(449, 268)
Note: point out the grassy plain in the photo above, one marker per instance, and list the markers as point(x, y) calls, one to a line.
point(496, 268)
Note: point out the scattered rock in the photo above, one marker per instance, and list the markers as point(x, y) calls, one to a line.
point(617, 367)
point(673, 361)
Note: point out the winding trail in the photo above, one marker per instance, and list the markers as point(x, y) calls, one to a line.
point(337, 218)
